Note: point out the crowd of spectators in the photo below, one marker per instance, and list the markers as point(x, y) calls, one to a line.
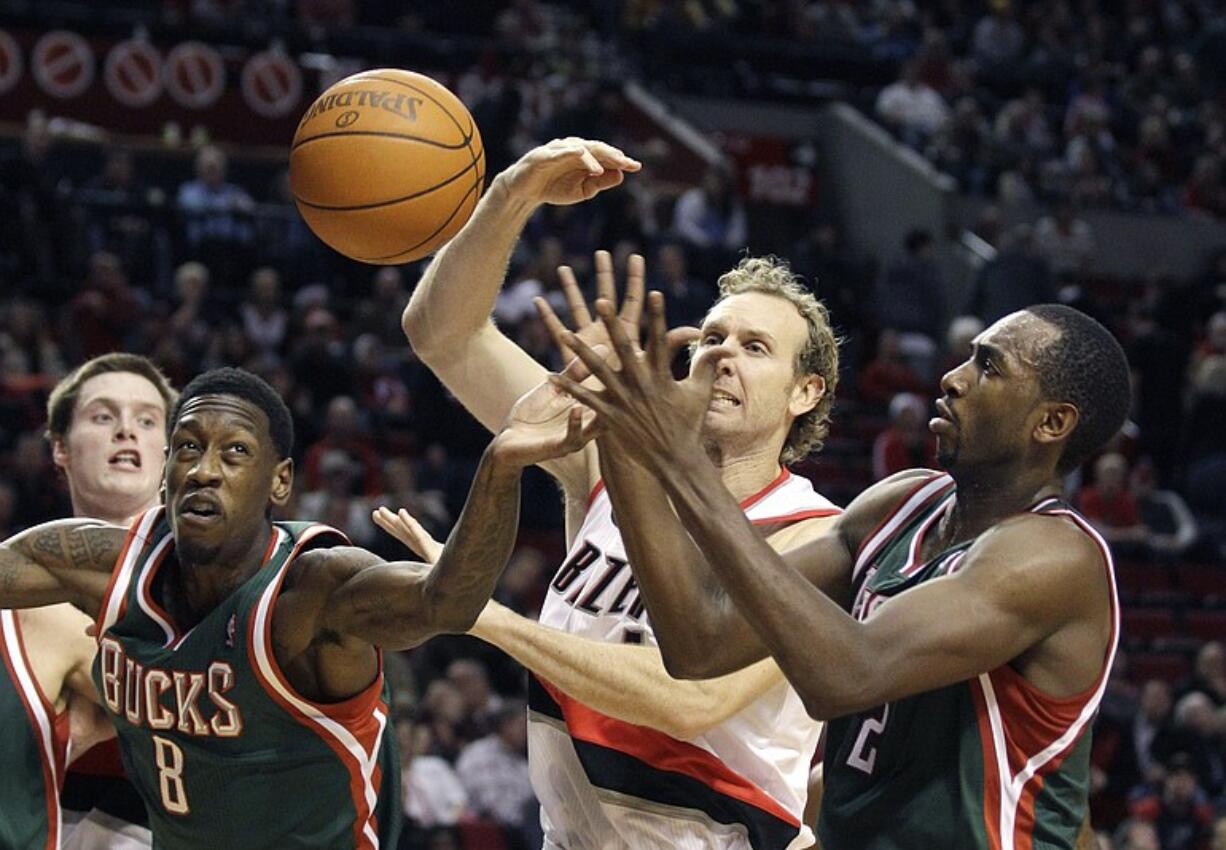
point(198, 261)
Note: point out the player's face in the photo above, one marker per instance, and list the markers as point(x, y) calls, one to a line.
point(222, 475)
point(113, 451)
point(990, 402)
point(757, 393)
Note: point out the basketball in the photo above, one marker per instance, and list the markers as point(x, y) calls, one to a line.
point(386, 166)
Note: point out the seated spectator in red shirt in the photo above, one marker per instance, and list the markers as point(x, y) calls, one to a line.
point(1111, 507)
point(906, 443)
point(1177, 806)
point(888, 374)
point(343, 431)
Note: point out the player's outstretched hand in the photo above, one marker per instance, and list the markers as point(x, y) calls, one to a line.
point(641, 403)
point(567, 171)
point(592, 330)
point(404, 527)
point(546, 423)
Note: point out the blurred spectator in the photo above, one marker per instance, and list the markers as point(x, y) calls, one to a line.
point(911, 301)
point(907, 442)
point(194, 318)
point(1016, 278)
point(912, 108)
point(998, 39)
point(888, 373)
point(400, 490)
point(318, 358)
point(380, 314)
point(470, 678)
point(1153, 716)
point(686, 298)
point(334, 502)
point(958, 341)
point(216, 214)
point(1065, 241)
point(27, 344)
point(1110, 505)
point(35, 219)
point(710, 216)
point(343, 433)
point(123, 218)
point(1172, 528)
point(432, 792)
point(522, 586)
point(1177, 806)
point(1209, 674)
point(106, 310)
point(265, 320)
point(494, 771)
point(1136, 834)
point(442, 711)
point(8, 510)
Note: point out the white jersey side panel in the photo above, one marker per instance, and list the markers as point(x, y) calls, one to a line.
point(607, 784)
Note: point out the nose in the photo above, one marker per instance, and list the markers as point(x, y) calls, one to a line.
point(125, 427)
point(952, 383)
point(205, 472)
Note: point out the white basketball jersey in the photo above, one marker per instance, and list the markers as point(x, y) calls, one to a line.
point(605, 784)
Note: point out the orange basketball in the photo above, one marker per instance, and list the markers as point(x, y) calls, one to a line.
point(386, 166)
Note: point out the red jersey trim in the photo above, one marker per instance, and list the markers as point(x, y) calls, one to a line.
point(811, 513)
point(663, 752)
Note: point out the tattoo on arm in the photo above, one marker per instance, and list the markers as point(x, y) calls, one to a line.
point(467, 570)
point(59, 546)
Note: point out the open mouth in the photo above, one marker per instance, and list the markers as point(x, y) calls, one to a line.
point(199, 508)
point(126, 459)
point(720, 398)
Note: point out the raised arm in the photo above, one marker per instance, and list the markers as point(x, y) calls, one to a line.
point(63, 561)
point(448, 320)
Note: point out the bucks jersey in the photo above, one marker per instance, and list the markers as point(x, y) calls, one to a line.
point(605, 784)
point(221, 747)
point(992, 763)
point(34, 749)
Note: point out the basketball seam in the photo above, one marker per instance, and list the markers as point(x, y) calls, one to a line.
point(467, 135)
point(389, 201)
point(476, 188)
point(387, 133)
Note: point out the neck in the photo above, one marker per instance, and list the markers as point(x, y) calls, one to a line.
point(745, 473)
point(200, 584)
point(116, 510)
point(984, 500)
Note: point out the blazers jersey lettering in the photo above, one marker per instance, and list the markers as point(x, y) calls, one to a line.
point(34, 751)
point(221, 747)
point(609, 785)
point(992, 763)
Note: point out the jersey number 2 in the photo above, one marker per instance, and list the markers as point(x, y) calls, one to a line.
point(864, 753)
point(169, 760)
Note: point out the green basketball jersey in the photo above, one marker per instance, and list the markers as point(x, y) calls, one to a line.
point(991, 763)
point(221, 747)
point(33, 753)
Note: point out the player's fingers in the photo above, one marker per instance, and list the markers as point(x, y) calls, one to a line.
point(706, 365)
point(623, 346)
point(632, 298)
point(583, 395)
point(606, 285)
point(590, 162)
point(658, 353)
point(579, 315)
point(594, 184)
point(577, 370)
point(555, 327)
point(597, 365)
point(614, 157)
point(423, 542)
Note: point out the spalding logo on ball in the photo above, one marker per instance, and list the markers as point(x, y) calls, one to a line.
point(386, 166)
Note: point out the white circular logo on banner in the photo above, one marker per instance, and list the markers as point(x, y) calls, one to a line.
point(63, 64)
point(272, 84)
point(10, 62)
point(194, 74)
point(133, 73)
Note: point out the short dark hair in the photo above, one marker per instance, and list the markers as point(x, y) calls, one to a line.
point(243, 384)
point(1086, 367)
point(62, 403)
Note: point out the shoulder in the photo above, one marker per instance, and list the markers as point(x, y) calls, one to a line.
point(868, 510)
point(326, 569)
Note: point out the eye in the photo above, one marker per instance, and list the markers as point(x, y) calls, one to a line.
point(711, 339)
point(240, 448)
point(101, 417)
point(186, 446)
point(148, 422)
point(756, 348)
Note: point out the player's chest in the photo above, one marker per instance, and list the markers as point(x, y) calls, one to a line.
point(594, 593)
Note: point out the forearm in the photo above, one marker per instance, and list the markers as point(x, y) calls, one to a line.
point(64, 561)
point(811, 638)
point(621, 680)
point(456, 294)
point(690, 613)
point(463, 578)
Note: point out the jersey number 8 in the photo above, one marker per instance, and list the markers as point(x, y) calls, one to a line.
point(169, 760)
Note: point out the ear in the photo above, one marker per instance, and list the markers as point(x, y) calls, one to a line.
point(282, 481)
point(807, 392)
point(1057, 422)
point(59, 453)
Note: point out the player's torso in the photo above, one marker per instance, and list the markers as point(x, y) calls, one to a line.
point(222, 748)
point(978, 764)
point(34, 750)
point(608, 784)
